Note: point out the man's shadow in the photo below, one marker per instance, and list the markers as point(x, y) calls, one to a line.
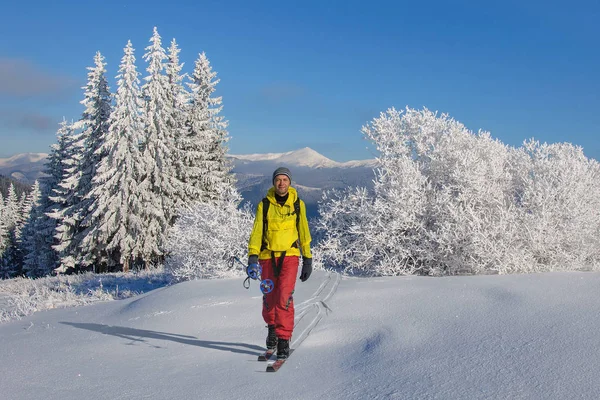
point(140, 336)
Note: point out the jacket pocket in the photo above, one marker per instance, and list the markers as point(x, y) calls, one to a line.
point(281, 234)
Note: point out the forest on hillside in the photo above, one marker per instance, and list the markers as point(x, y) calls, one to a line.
point(20, 187)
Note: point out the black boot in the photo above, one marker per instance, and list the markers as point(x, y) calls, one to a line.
point(283, 349)
point(271, 338)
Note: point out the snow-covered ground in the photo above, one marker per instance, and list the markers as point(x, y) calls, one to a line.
point(472, 337)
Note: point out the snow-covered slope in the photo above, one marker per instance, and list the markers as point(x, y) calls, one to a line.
point(472, 337)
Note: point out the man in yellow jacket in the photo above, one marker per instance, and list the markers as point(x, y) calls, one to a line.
point(279, 236)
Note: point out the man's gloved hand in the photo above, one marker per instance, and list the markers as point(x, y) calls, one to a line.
point(253, 259)
point(306, 268)
point(253, 270)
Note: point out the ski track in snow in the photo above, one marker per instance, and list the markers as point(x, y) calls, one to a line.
point(315, 304)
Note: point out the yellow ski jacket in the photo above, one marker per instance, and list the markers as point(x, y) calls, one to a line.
point(282, 234)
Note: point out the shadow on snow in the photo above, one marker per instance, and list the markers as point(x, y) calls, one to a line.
point(139, 335)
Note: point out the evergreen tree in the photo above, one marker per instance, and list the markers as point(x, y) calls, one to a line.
point(51, 193)
point(179, 98)
point(55, 169)
point(11, 209)
point(63, 197)
point(206, 170)
point(94, 124)
point(159, 186)
point(23, 208)
point(3, 230)
point(9, 265)
point(177, 93)
point(34, 244)
point(117, 209)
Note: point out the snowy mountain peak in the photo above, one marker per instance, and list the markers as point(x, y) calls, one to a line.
point(305, 157)
point(23, 158)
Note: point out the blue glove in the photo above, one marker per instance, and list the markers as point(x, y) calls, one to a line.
point(306, 268)
point(253, 270)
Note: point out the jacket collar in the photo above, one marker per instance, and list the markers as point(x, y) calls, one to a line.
point(293, 195)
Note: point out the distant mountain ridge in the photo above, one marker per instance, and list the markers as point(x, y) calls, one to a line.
point(24, 167)
point(312, 172)
point(305, 157)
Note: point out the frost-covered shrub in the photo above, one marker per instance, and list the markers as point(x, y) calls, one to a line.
point(558, 204)
point(20, 297)
point(362, 237)
point(206, 236)
point(447, 200)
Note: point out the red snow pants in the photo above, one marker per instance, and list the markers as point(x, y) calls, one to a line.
point(278, 306)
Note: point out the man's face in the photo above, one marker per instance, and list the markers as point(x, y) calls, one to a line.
point(281, 183)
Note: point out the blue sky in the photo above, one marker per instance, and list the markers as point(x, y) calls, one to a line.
point(312, 73)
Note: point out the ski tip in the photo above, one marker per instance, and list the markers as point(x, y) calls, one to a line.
point(272, 368)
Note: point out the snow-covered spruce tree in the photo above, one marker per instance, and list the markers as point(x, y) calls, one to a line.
point(34, 244)
point(115, 219)
point(205, 170)
point(55, 171)
point(3, 231)
point(159, 185)
point(78, 184)
point(180, 98)
point(9, 264)
point(207, 235)
point(558, 204)
point(25, 207)
point(177, 91)
point(62, 195)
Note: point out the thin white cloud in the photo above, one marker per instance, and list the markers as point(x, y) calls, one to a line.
point(27, 120)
